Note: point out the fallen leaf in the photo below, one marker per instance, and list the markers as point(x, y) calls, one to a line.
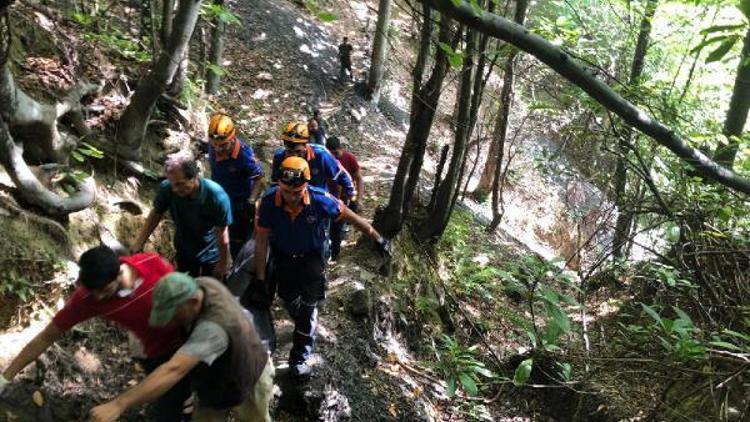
point(38, 398)
point(392, 410)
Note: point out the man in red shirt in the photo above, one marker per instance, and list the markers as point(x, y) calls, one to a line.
point(118, 290)
point(350, 163)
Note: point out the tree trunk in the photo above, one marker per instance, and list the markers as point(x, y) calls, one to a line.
point(424, 104)
point(438, 175)
point(624, 215)
point(738, 109)
point(167, 17)
point(583, 77)
point(437, 220)
point(134, 120)
point(379, 48)
point(213, 76)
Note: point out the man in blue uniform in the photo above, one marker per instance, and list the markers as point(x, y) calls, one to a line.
point(235, 168)
point(201, 213)
point(292, 218)
point(323, 165)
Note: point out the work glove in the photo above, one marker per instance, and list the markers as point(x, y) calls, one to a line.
point(385, 250)
point(3, 384)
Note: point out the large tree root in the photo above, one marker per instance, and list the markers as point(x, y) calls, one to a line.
point(54, 229)
point(32, 190)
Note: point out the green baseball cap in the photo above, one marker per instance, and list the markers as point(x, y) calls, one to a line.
point(170, 292)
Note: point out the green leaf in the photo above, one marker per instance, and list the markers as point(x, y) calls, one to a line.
point(455, 59)
point(740, 336)
point(468, 383)
point(451, 385)
point(457, 3)
point(744, 7)
point(533, 338)
point(327, 16)
point(77, 156)
point(726, 345)
point(722, 50)
point(683, 316)
point(708, 42)
point(566, 371)
point(722, 28)
point(673, 233)
point(523, 372)
point(216, 69)
point(649, 310)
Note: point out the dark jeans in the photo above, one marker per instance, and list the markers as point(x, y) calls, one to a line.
point(168, 407)
point(194, 267)
point(301, 283)
point(346, 65)
point(338, 233)
point(243, 217)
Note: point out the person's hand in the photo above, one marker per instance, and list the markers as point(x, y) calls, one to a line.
point(385, 250)
point(107, 412)
point(220, 270)
point(3, 384)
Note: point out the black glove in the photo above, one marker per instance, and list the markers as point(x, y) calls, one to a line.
point(354, 206)
point(259, 294)
point(384, 247)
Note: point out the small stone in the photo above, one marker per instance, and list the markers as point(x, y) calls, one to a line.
point(264, 76)
point(38, 398)
point(355, 114)
point(360, 300)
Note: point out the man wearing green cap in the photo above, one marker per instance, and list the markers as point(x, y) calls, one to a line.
point(229, 368)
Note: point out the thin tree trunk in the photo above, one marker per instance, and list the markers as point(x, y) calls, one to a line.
point(379, 48)
point(438, 174)
point(213, 76)
point(167, 17)
point(134, 120)
point(625, 216)
point(424, 103)
point(738, 109)
point(437, 220)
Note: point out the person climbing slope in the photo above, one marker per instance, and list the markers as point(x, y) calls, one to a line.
point(292, 219)
point(229, 369)
point(323, 166)
point(117, 290)
point(201, 212)
point(234, 167)
point(350, 163)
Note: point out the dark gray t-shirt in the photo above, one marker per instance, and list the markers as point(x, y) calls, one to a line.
point(207, 341)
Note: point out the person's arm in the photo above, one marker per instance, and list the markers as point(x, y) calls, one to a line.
point(222, 243)
point(259, 183)
point(261, 253)
point(32, 350)
point(361, 224)
point(152, 221)
point(151, 388)
point(359, 183)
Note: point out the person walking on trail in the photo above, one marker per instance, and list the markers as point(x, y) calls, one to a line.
point(317, 134)
point(118, 290)
point(201, 212)
point(230, 370)
point(350, 163)
point(292, 219)
point(345, 59)
point(234, 167)
point(323, 166)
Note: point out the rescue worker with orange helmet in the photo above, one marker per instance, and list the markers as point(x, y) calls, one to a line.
point(323, 165)
point(235, 168)
point(292, 218)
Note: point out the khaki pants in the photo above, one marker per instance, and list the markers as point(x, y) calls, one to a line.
point(254, 409)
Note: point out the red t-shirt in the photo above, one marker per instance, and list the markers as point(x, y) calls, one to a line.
point(131, 312)
point(350, 163)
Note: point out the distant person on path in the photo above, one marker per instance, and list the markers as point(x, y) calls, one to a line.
point(201, 212)
point(350, 163)
point(234, 167)
point(292, 220)
point(345, 59)
point(229, 369)
point(323, 166)
point(317, 134)
point(117, 290)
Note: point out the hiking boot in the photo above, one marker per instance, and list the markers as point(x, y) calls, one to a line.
point(301, 370)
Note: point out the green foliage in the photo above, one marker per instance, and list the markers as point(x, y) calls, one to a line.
point(456, 59)
point(212, 11)
point(523, 372)
point(85, 151)
point(459, 365)
point(216, 69)
point(679, 337)
point(83, 19)
point(317, 10)
point(18, 286)
point(123, 45)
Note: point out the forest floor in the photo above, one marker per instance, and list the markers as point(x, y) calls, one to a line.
point(281, 64)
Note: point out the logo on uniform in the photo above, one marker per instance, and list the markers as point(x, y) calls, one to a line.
point(311, 219)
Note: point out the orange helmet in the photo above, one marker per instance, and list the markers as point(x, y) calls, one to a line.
point(295, 172)
point(221, 127)
point(296, 132)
